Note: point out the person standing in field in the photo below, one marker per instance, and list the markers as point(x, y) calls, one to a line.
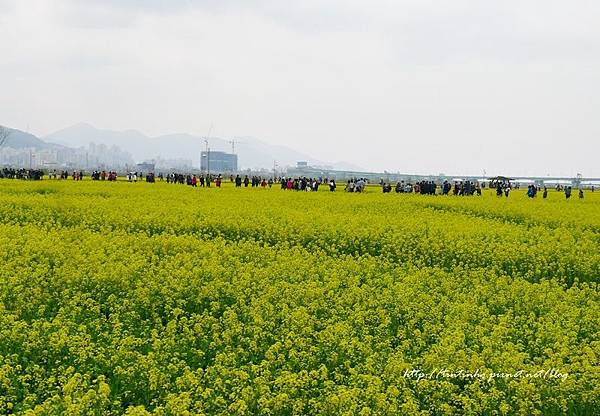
point(580, 193)
point(359, 186)
point(332, 186)
point(238, 181)
point(545, 194)
point(507, 191)
point(446, 188)
point(568, 192)
point(350, 186)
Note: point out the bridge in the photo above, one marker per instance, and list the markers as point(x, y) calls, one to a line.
point(338, 175)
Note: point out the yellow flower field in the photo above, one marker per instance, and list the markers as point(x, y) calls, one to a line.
point(135, 298)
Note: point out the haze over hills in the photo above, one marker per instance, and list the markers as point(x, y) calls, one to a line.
point(18, 139)
point(252, 153)
point(21, 149)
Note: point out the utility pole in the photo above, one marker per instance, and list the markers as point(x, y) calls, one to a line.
point(207, 163)
point(208, 155)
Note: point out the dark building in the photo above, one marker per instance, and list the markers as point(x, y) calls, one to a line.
point(218, 162)
point(145, 167)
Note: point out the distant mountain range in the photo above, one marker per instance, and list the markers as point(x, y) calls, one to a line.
point(18, 139)
point(252, 153)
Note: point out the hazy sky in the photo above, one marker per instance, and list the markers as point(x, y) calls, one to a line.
point(424, 86)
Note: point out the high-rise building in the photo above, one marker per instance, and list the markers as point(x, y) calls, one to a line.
point(218, 162)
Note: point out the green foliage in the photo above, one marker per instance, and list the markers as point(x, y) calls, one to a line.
point(119, 298)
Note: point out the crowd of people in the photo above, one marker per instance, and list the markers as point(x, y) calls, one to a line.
point(285, 183)
point(135, 176)
point(532, 191)
point(469, 188)
point(356, 185)
point(104, 176)
point(306, 184)
point(27, 174)
point(254, 181)
point(301, 184)
point(192, 180)
point(462, 188)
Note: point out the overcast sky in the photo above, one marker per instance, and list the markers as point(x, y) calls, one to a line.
point(420, 86)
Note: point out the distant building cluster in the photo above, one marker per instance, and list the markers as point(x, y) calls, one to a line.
point(94, 156)
point(178, 165)
point(146, 167)
point(219, 162)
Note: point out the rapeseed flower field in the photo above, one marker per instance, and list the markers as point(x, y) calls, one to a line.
point(136, 298)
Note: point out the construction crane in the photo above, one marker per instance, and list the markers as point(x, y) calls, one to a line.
point(232, 143)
